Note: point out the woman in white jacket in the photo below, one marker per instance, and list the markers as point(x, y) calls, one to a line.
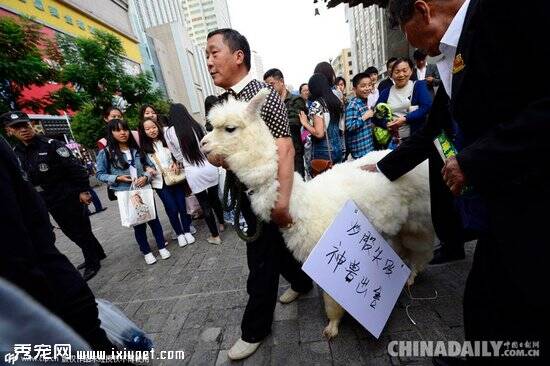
point(183, 141)
point(157, 155)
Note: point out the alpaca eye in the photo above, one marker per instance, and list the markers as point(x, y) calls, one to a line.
point(230, 129)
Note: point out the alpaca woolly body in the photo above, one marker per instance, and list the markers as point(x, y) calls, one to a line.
point(399, 210)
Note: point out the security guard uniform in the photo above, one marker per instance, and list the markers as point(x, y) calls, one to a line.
point(60, 178)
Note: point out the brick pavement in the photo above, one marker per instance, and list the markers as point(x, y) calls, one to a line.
point(194, 301)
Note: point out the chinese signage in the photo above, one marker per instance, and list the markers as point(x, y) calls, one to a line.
point(355, 265)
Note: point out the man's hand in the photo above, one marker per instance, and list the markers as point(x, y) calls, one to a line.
point(140, 182)
point(281, 217)
point(370, 168)
point(429, 80)
point(152, 172)
point(453, 176)
point(175, 168)
point(85, 198)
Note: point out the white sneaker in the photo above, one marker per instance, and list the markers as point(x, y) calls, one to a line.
point(242, 349)
point(214, 240)
point(192, 230)
point(189, 238)
point(164, 253)
point(150, 258)
point(181, 241)
point(289, 296)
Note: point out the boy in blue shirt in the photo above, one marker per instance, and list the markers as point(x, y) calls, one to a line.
point(359, 138)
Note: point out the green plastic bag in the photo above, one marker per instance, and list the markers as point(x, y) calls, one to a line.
point(382, 111)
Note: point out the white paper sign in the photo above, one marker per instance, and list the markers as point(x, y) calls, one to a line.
point(358, 268)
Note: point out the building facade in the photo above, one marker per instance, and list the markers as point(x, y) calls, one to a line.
point(204, 16)
point(372, 39)
point(343, 66)
point(256, 65)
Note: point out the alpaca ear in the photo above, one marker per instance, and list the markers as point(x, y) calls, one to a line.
point(257, 102)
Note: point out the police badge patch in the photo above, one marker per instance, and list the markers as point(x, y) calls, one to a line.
point(63, 152)
point(43, 167)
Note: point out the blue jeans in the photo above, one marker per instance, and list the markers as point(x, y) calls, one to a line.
point(140, 232)
point(95, 200)
point(173, 198)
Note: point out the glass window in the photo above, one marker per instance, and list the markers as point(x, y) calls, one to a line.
point(68, 19)
point(53, 11)
point(38, 4)
point(81, 24)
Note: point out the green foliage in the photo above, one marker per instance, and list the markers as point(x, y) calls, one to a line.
point(91, 70)
point(87, 126)
point(21, 63)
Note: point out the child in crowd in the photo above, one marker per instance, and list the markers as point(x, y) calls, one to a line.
point(359, 140)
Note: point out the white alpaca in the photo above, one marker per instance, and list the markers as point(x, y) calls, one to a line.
point(399, 210)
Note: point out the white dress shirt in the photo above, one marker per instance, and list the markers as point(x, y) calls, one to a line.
point(237, 88)
point(421, 73)
point(448, 46)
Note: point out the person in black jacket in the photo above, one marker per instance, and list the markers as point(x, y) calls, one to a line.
point(502, 152)
point(387, 82)
point(62, 182)
point(31, 261)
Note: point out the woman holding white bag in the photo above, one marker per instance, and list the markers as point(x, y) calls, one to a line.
point(119, 165)
point(167, 178)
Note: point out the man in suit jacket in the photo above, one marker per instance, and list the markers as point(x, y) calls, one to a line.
point(503, 154)
point(425, 71)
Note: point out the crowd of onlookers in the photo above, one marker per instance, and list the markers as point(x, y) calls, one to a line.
point(329, 127)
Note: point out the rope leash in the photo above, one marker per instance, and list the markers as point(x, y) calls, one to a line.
point(232, 198)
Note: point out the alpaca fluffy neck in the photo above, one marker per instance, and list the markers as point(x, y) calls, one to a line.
point(258, 171)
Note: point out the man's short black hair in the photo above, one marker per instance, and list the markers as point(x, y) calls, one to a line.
point(357, 78)
point(235, 41)
point(390, 60)
point(274, 73)
point(371, 70)
point(401, 11)
point(419, 55)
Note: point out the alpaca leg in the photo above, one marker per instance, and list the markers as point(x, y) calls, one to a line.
point(418, 252)
point(334, 313)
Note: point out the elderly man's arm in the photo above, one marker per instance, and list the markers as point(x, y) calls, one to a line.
point(285, 174)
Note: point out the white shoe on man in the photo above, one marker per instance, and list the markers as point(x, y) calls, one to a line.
point(242, 349)
point(289, 296)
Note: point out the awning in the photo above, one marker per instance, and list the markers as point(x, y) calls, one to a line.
point(352, 3)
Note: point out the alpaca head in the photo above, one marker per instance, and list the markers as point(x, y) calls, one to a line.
point(241, 137)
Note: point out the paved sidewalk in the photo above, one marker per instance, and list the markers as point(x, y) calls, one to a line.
point(194, 302)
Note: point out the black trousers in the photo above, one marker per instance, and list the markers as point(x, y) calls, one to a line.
point(210, 204)
point(298, 149)
point(268, 257)
point(73, 220)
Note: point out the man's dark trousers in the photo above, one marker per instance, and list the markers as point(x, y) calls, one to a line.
point(267, 257)
point(73, 220)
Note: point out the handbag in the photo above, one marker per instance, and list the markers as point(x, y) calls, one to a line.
point(319, 166)
point(136, 206)
point(170, 178)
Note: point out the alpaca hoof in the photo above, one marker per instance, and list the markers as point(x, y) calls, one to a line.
point(330, 332)
point(412, 276)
